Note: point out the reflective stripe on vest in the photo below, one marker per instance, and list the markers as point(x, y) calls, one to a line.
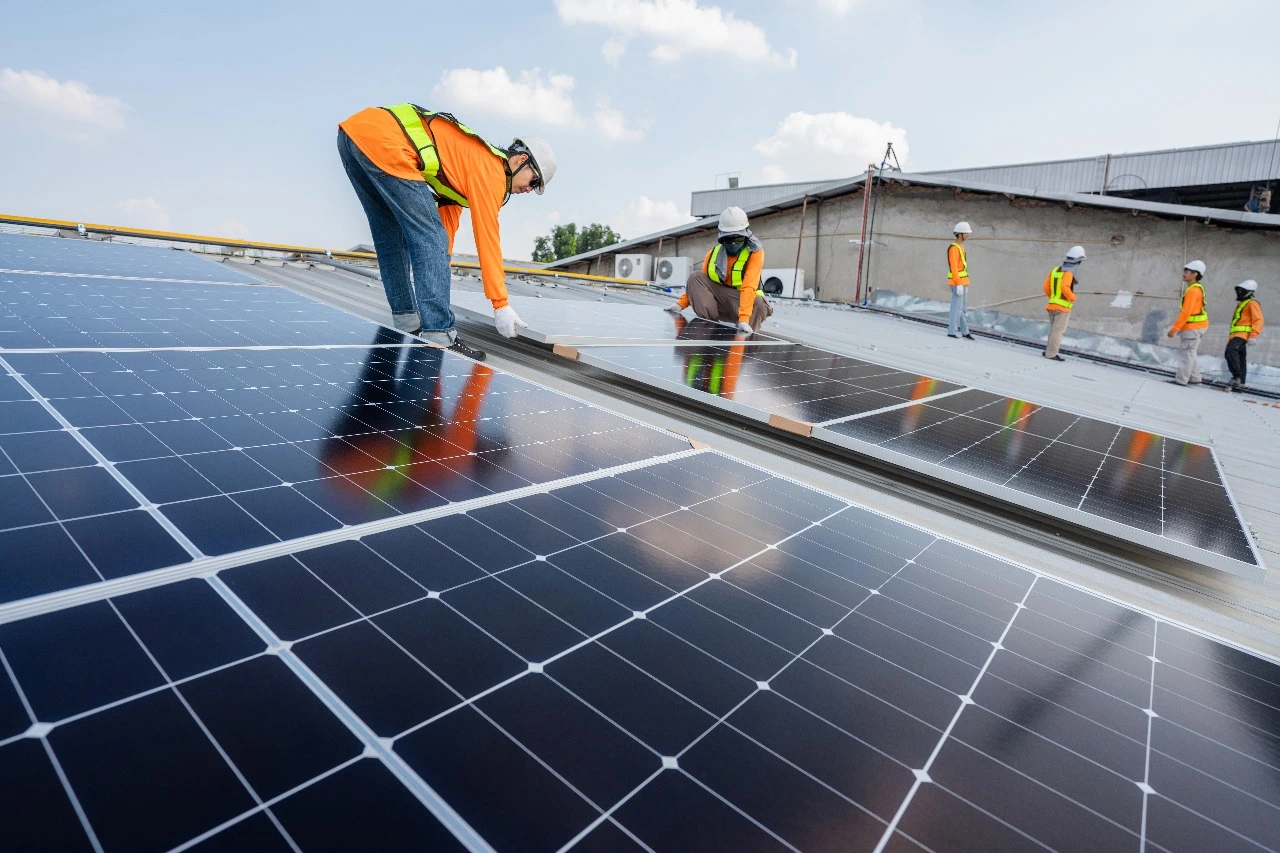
point(416, 124)
point(953, 277)
point(1055, 289)
point(735, 274)
point(1203, 316)
point(1235, 321)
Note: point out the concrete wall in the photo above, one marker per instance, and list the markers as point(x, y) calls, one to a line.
point(1130, 284)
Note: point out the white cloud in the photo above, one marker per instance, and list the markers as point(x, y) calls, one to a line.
point(613, 124)
point(72, 103)
point(231, 228)
point(840, 7)
point(644, 216)
point(613, 50)
point(773, 174)
point(829, 145)
point(529, 97)
point(679, 27)
point(145, 213)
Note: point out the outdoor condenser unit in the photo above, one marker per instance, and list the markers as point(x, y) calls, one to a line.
point(671, 272)
point(638, 267)
point(787, 283)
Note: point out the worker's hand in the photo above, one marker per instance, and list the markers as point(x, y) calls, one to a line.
point(674, 308)
point(507, 321)
point(1170, 335)
point(1251, 342)
point(745, 329)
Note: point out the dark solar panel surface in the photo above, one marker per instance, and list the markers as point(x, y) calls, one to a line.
point(793, 380)
point(242, 448)
point(1141, 480)
point(99, 258)
point(691, 656)
point(55, 311)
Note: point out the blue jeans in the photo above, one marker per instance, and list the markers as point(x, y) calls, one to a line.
point(408, 236)
point(956, 322)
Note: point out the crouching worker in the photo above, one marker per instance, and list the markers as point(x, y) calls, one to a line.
point(726, 287)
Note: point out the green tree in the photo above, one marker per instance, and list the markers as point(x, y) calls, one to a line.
point(566, 241)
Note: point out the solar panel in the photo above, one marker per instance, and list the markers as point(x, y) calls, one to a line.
point(690, 655)
point(1161, 492)
point(94, 258)
point(579, 323)
point(38, 312)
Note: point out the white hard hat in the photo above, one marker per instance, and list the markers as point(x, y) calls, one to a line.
point(733, 221)
point(1195, 266)
point(962, 228)
point(1075, 253)
point(1249, 285)
point(544, 159)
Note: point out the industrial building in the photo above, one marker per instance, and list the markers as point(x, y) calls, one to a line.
point(887, 248)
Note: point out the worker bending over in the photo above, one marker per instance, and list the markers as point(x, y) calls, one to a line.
point(725, 288)
point(413, 171)
point(1059, 287)
point(1192, 320)
point(958, 281)
point(1246, 325)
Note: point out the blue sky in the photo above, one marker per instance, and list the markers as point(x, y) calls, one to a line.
point(221, 118)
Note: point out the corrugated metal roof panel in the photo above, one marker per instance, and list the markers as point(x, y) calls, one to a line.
point(711, 202)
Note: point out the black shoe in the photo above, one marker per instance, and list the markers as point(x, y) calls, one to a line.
point(462, 349)
point(968, 337)
point(949, 335)
point(1057, 358)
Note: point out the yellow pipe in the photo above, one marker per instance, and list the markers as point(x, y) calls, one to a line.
point(280, 247)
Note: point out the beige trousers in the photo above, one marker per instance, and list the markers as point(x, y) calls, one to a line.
point(712, 301)
point(1188, 345)
point(1057, 328)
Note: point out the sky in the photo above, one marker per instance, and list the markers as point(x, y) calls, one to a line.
point(221, 118)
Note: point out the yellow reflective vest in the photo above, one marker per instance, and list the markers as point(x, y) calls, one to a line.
point(416, 124)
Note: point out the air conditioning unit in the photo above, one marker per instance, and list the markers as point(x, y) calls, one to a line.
point(787, 283)
point(638, 267)
point(671, 272)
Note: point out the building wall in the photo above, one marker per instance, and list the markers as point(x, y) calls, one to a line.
point(1130, 284)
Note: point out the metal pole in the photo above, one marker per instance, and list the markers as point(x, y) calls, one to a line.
point(871, 231)
point(862, 239)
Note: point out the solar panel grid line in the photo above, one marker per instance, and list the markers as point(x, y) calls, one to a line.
point(1043, 451)
point(967, 699)
point(1098, 471)
point(1146, 768)
point(90, 257)
point(206, 566)
point(249, 348)
point(143, 503)
point(892, 408)
point(375, 746)
point(135, 278)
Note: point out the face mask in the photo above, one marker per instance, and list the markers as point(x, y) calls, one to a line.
point(734, 247)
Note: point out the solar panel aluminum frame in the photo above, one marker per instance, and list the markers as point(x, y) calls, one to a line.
point(463, 307)
point(819, 437)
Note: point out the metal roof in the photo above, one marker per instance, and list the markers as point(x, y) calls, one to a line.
point(1206, 165)
point(1236, 218)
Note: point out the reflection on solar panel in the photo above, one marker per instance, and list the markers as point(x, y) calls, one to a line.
point(740, 662)
point(1160, 492)
point(102, 259)
point(570, 322)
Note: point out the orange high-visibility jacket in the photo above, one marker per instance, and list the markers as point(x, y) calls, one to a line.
point(750, 281)
point(471, 168)
point(958, 265)
point(1192, 304)
point(1250, 316)
point(1068, 279)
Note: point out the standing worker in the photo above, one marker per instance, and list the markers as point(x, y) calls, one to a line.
point(958, 281)
point(413, 171)
point(1246, 325)
point(725, 288)
point(1192, 320)
point(1059, 287)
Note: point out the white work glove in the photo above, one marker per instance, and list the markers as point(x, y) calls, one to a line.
point(1251, 342)
point(745, 328)
point(674, 308)
point(507, 321)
